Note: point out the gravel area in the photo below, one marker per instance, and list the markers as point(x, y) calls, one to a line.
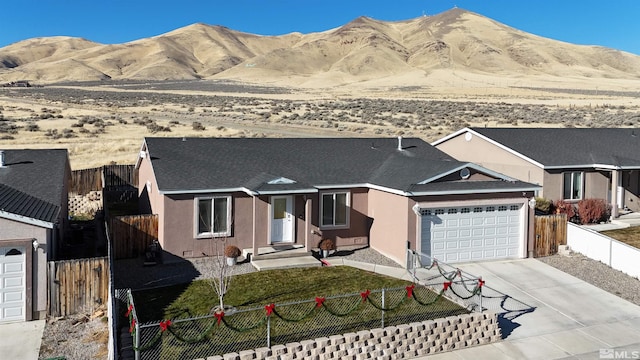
point(597, 274)
point(363, 254)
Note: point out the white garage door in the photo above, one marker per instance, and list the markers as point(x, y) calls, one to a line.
point(12, 284)
point(471, 233)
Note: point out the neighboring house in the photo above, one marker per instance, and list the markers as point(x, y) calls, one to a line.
point(33, 216)
point(569, 163)
point(390, 194)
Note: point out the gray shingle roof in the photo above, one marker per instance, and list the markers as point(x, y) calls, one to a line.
point(32, 183)
point(571, 146)
point(196, 164)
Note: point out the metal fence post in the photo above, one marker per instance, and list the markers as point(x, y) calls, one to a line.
point(137, 341)
point(382, 307)
point(269, 331)
point(481, 309)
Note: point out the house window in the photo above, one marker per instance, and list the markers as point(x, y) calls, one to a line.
point(573, 185)
point(334, 208)
point(213, 216)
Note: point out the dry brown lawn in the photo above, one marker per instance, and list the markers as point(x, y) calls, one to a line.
point(629, 236)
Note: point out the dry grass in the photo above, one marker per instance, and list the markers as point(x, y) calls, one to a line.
point(629, 236)
point(106, 124)
point(76, 337)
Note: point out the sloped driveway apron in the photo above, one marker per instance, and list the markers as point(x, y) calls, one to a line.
point(548, 314)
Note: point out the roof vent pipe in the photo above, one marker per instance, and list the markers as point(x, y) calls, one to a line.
point(400, 143)
point(2, 158)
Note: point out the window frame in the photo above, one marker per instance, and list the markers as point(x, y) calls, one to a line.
point(211, 234)
point(347, 194)
point(572, 175)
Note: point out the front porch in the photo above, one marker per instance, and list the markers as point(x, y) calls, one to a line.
point(281, 257)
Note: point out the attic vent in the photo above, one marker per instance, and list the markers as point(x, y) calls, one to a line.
point(281, 180)
point(465, 173)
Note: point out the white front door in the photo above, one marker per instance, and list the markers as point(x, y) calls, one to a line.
point(281, 219)
point(12, 284)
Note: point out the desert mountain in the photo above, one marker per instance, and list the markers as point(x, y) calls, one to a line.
point(365, 50)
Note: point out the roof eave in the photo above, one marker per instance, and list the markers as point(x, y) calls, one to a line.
point(472, 191)
point(26, 220)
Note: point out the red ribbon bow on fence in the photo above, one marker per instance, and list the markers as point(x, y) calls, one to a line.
point(219, 316)
point(269, 308)
point(164, 325)
point(446, 285)
point(133, 325)
point(319, 301)
point(410, 290)
point(365, 295)
point(129, 310)
point(480, 283)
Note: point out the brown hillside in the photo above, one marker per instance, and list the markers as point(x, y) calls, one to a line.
point(425, 51)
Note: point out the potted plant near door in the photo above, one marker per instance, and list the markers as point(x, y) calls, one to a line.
point(232, 252)
point(325, 246)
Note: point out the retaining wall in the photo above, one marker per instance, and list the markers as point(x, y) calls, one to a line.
point(393, 342)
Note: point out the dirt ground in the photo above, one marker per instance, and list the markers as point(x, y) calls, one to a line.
point(76, 337)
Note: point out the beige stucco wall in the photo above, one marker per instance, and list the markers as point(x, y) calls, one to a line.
point(359, 220)
point(596, 185)
point(484, 153)
point(10, 230)
point(390, 230)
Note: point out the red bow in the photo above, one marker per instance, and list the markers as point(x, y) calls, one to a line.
point(133, 325)
point(319, 301)
point(219, 316)
point(410, 290)
point(446, 285)
point(365, 295)
point(164, 325)
point(270, 308)
point(129, 310)
point(480, 283)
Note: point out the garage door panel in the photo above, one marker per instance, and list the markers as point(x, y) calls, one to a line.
point(12, 284)
point(473, 233)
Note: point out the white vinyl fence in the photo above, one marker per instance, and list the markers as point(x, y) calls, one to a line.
point(594, 245)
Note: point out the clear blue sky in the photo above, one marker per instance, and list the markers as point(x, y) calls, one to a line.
point(610, 23)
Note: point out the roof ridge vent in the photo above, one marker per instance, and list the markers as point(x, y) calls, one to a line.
point(2, 163)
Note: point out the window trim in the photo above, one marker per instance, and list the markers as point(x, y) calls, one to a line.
point(348, 210)
point(196, 212)
point(564, 185)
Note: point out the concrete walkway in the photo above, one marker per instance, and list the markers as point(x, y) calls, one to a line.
point(21, 340)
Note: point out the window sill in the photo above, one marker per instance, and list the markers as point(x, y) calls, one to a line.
point(209, 236)
point(337, 227)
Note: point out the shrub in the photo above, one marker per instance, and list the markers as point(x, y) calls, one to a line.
point(232, 251)
point(592, 211)
point(563, 207)
point(197, 126)
point(327, 244)
point(544, 205)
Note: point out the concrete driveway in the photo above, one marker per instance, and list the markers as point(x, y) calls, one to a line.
point(21, 340)
point(548, 314)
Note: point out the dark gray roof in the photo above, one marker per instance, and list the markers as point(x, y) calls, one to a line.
point(17, 202)
point(194, 164)
point(33, 183)
point(571, 146)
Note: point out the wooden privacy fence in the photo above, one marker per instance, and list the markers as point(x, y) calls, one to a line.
point(132, 235)
point(551, 231)
point(109, 177)
point(75, 286)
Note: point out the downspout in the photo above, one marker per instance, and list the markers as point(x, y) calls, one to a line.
point(255, 244)
point(615, 179)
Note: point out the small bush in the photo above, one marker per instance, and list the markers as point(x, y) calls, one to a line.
point(544, 205)
point(197, 126)
point(593, 211)
point(327, 244)
point(564, 207)
point(232, 251)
